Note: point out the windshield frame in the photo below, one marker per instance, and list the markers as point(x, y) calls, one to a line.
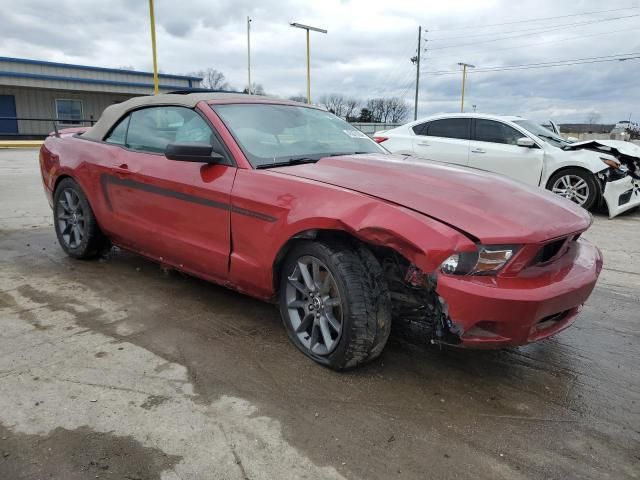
point(550, 139)
point(282, 160)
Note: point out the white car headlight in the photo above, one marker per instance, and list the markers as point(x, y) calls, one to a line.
point(610, 162)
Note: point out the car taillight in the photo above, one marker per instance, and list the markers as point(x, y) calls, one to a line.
point(380, 139)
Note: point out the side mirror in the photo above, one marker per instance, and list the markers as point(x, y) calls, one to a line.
point(192, 152)
point(525, 142)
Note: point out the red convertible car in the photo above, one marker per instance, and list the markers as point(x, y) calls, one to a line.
point(284, 201)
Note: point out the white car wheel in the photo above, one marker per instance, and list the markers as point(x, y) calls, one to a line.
point(576, 185)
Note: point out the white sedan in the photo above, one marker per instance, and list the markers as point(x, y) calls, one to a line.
point(584, 172)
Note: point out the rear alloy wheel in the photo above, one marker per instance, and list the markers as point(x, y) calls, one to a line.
point(76, 227)
point(576, 185)
point(334, 303)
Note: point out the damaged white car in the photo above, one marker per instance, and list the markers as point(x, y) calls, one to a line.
point(588, 173)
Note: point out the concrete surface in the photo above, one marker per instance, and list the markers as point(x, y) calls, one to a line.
point(116, 369)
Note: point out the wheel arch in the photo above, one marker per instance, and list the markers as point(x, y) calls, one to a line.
point(570, 167)
point(60, 178)
point(375, 239)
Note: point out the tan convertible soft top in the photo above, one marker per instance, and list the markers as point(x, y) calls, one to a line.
point(113, 113)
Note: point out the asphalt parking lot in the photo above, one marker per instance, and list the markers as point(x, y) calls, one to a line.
point(117, 369)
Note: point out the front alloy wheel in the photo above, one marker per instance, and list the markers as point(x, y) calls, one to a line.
point(334, 302)
point(314, 306)
point(572, 188)
point(577, 185)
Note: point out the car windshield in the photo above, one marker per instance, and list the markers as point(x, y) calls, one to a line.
point(543, 133)
point(285, 134)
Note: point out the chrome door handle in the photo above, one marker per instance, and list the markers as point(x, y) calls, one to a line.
point(478, 150)
point(424, 144)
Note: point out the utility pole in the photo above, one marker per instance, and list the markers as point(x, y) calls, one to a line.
point(464, 78)
point(417, 62)
point(249, 55)
point(152, 17)
point(315, 29)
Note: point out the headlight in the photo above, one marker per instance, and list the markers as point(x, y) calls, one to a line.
point(611, 163)
point(486, 260)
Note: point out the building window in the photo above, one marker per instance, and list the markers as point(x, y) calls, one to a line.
point(69, 111)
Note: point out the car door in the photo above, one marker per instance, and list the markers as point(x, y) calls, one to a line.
point(494, 148)
point(444, 140)
point(175, 212)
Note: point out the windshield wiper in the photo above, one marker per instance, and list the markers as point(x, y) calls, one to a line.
point(291, 161)
point(347, 153)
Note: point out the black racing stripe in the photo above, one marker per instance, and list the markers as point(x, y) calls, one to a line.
point(251, 213)
point(106, 179)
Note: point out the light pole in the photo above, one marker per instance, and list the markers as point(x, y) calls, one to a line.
point(307, 28)
point(417, 62)
point(153, 48)
point(464, 79)
point(249, 54)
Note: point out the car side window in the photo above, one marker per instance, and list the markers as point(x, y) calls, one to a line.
point(118, 135)
point(152, 129)
point(496, 132)
point(449, 128)
point(420, 129)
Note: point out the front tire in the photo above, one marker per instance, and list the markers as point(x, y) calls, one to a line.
point(334, 302)
point(76, 227)
point(575, 184)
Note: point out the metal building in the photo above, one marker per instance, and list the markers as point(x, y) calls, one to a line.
point(35, 93)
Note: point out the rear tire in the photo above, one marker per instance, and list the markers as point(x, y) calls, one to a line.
point(76, 227)
point(338, 313)
point(576, 184)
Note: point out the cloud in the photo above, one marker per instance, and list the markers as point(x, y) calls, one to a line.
point(365, 53)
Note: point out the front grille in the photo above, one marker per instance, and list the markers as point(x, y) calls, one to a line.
point(625, 197)
point(556, 317)
point(548, 251)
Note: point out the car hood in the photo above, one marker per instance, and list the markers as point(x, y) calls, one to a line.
point(488, 207)
point(626, 153)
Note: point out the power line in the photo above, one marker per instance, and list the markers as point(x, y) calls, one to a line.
point(540, 27)
point(535, 33)
point(575, 37)
point(558, 63)
point(534, 19)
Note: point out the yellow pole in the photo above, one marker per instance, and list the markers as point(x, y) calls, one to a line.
point(153, 48)
point(464, 76)
point(308, 70)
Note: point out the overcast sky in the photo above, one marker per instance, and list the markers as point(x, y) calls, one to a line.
point(367, 50)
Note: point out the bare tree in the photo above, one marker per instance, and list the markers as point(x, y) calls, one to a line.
point(398, 109)
point(335, 103)
point(593, 118)
point(350, 107)
point(298, 98)
point(385, 110)
point(256, 89)
point(375, 106)
point(212, 79)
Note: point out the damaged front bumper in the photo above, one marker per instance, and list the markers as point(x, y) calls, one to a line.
point(621, 195)
point(494, 312)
